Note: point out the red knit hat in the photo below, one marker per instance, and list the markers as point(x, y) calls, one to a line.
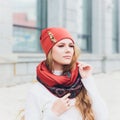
point(50, 36)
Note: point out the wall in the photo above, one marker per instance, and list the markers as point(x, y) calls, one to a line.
point(19, 68)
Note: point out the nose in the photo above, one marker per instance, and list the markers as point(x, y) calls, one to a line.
point(67, 49)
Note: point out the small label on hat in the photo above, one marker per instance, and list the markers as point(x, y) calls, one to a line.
point(52, 38)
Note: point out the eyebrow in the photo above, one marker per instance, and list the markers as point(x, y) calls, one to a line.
point(65, 43)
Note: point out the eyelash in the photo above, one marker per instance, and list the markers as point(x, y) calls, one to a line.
point(72, 46)
point(63, 46)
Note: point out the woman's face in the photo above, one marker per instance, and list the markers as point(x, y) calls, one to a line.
point(62, 53)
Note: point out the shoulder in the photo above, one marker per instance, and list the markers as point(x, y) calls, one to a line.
point(37, 90)
point(89, 84)
point(37, 87)
point(88, 80)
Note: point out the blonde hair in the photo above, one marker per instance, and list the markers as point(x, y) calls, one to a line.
point(83, 102)
point(20, 115)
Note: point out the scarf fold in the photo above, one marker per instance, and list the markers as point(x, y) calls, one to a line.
point(60, 85)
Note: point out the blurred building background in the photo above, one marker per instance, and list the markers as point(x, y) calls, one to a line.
point(94, 24)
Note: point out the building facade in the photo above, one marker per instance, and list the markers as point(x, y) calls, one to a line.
point(94, 25)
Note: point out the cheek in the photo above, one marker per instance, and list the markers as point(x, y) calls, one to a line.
point(72, 52)
point(56, 54)
point(56, 51)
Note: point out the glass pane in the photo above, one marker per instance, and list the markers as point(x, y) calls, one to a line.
point(85, 35)
point(83, 42)
point(115, 27)
point(24, 39)
point(24, 12)
point(24, 26)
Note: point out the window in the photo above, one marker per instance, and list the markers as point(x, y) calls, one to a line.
point(115, 36)
point(85, 36)
point(28, 17)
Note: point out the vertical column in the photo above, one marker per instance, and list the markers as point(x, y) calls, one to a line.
point(102, 27)
point(108, 34)
point(108, 27)
point(6, 56)
point(5, 27)
point(119, 25)
point(98, 30)
point(102, 30)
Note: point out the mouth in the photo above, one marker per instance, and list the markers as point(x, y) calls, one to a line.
point(67, 57)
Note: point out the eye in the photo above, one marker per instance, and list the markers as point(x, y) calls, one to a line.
point(61, 45)
point(71, 45)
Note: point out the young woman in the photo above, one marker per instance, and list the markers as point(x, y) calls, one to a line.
point(65, 89)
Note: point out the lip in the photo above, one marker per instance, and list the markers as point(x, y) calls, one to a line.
point(67, 57)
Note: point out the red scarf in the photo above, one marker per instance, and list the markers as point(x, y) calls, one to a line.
point(51, 80)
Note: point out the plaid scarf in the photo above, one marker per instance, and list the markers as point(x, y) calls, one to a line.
point(60, 85)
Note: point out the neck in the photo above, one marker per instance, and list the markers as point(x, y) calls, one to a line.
point(57, 67)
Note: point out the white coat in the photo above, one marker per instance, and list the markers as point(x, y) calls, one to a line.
point(40, 100)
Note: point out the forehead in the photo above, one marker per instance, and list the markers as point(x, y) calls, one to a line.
point(65, 41)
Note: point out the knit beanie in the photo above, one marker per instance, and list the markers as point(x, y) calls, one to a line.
point(50, 36)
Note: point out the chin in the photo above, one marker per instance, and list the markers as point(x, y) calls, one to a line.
point(66, 63)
